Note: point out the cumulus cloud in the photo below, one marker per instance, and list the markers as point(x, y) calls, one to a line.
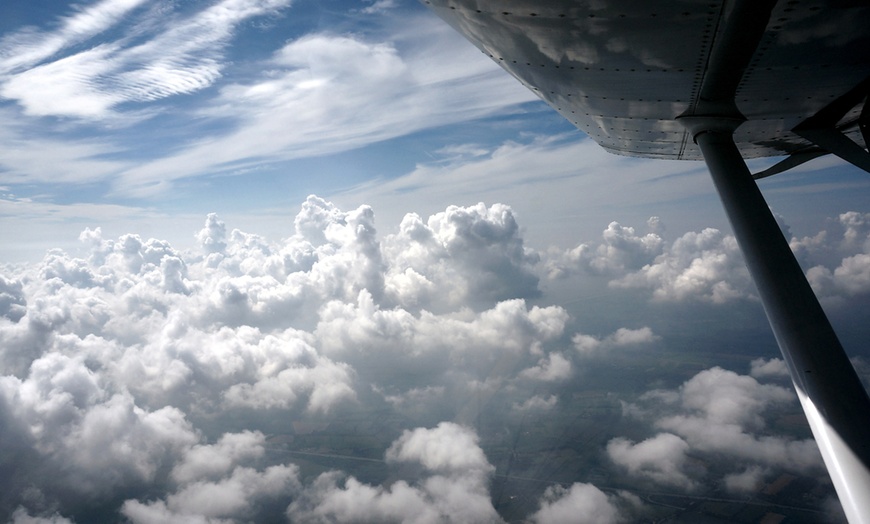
point(537, 404)
point(706, 266)
point(476, 346)
point(716, 413)
point(212, 486)
point(851, 277)
point(94, 440)
point(848, 233)
point(838, 257)
point(551, 368)
point(207, 461)
point(622, 337)
point(452, 488)
point(761, 368)
point(235, 498)
point(747, 480)
point(462, 255)
point(582, 502)
point(21, 516)
point(12, 302)
point(115, 359)
point(167, 385)
point(661, 458)
point(622, 250)
point(446, 448)
point(221, 482)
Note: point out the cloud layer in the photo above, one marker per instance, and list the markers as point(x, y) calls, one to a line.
point(162, 385)
point(114, 362)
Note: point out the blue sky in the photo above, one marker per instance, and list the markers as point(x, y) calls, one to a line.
point(470, 267)
point(308, 98)
point(124, 113)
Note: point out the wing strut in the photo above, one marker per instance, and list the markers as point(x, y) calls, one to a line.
point(792, 160)
point(821, 128)
point(833, 398)
point(823, 131)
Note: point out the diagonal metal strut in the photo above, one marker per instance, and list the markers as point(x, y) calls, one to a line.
point(834, 400)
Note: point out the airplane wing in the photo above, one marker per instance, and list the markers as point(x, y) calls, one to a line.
point(622, 71)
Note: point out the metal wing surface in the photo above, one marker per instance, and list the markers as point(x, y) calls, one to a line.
point(623, 70)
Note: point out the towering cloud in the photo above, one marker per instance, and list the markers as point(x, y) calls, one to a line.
point(461, 256)
point(113, 361)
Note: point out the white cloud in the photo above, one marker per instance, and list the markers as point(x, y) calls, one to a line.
point(21, 516)
point(704, 266)
point(319, 93)
point(230, 499)
point(622, 251)
point(717, 413)
point(470, 345)
point(184, 57)
point(12, 302)
point(157, 319)
point(761, 368)
point(746, 481)
point(66, 86)
point(661, 458)
point(209, 461)
point(448, 448)
point(537, 404)
point(378, 6)
point(326, 93)
point(851, 277)
point(560, 199)
point(553, 367)
point(328, 384)
point(580, 502)
point(463, 255)
point(32, 158)
point(452, 488)
point(114, 358)
point(149, 380)
point(724, 397)
point(28, 47)
point(622, 337)
point(837, 257)
point(95, 440)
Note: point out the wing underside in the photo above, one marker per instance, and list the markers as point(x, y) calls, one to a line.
point(622, 71)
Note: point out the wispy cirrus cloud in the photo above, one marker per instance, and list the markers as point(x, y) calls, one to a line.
point(326, 93)
point(27, 47)
point(184, 57)
point(318, 94)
